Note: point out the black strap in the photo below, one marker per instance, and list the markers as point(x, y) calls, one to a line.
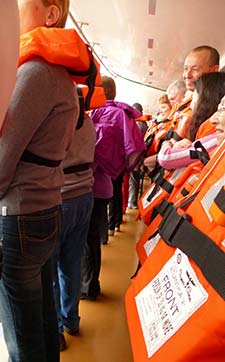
point(172, 134)
point(80, 120)
point(164, 208)
point(177, 231)
point(164, 184)
point(30, 157)
point(168, 136)
point(183, 106)
point(91, 83)
point(200, 153)
point(149, 141)
point(91, 75)
point(77, 168)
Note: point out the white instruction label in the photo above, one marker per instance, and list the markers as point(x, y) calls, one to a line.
point(150, 244)
point(168, 301)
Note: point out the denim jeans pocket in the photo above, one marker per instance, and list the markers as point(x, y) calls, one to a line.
point(39, 235)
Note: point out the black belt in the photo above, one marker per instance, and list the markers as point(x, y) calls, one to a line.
point(30, 157)
point(77, 168)
point(177, 231)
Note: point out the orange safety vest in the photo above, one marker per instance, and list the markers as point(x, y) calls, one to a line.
point(156, 193)
point(174, 127)
point(63, 47)
point(176, 304)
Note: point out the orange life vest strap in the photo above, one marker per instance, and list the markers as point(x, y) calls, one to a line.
point(176, 230)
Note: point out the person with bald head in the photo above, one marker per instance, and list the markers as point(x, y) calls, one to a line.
point(201, 60)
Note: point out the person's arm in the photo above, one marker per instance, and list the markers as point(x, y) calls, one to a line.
point(31, 103)
point(150, 161)
point(170, 157)
point(9, 40)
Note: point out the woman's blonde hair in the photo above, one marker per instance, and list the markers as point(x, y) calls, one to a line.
point(63, 6)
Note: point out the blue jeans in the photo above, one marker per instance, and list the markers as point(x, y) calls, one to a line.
point(27, 309)
point(76, 218)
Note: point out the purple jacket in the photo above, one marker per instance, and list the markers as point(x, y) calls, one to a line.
point(119, 144)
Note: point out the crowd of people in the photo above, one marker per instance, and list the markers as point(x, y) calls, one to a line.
point(62, 194)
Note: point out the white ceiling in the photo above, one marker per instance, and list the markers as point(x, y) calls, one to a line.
point(124, 28)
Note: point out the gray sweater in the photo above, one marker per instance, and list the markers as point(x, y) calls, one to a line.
point(81, 151)
point(41, 118)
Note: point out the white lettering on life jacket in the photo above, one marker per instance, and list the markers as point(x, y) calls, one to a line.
point(168, 301)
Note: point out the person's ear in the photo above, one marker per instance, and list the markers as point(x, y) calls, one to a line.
point(53, 16)
point(215, 68)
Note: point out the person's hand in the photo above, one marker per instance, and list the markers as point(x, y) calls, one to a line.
point(150, 161)
point(183, 143)
point(167, 143)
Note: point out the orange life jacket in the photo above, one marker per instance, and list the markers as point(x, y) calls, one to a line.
point(176, 304)
point(98, 98)
point(181, 183)
point(173, 128)
point(205, 129)
point(144, 118)
point(63, 47)
point(156, 193)
point(182, 186)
